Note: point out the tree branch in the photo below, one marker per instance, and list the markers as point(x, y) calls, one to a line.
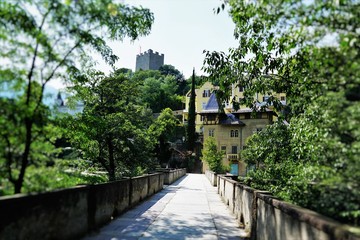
point(32, 68)
point(53, 73)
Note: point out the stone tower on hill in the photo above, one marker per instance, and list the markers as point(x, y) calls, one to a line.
point(149, 60)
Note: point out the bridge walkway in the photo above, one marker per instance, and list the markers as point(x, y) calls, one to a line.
point(188, 209)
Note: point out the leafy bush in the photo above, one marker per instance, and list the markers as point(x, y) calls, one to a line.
point(65, 173)
point(212, 156)
point(313, 162)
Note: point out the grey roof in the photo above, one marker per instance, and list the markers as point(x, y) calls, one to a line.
point(212, 105)
point(258, 106)
point(231, 120)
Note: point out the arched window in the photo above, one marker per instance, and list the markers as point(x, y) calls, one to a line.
point(234, 133)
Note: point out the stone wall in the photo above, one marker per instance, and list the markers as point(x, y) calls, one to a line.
point(63, 214)
point(212, 176)
point(71, 213)
point(264, 216)
point(107, 200)
point(171, 175)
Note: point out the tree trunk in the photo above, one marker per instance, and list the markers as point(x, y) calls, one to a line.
point(111, 160)
point(25, 157)
point(192, 117)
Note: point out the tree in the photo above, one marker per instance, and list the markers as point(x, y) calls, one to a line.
point(171, 70)
point(113, 129)
point(163, 130)
point(310, 51)
point(299, 48)
point(325, 140)
point(160, 93)
point(13, 136)
point(212, 156)
point(179, 77)
point(46, 40)
point(199, 81)
point(270, 145)
point(191, 135)
point(267, 154)
point(141, 75)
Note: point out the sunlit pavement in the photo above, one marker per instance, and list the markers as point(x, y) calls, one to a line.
point(188, 209)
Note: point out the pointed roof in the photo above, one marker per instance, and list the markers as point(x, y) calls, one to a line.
point(59, 100)
point(212, 105)
point(231, 119)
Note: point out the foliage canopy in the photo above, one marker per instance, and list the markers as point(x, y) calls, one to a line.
point(46, 40)
point(112, 130)
point(310, 51)
point(212, 156)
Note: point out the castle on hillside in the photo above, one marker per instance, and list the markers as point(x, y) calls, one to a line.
point(149, 60)
point(62, 106)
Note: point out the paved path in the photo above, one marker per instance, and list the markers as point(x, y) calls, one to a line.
point(188, 209)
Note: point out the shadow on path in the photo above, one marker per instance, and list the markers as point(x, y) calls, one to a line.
point(188, 209)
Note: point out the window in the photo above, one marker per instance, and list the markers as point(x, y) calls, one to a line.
point(282, 98)
point(206, 93)
point(211, 132)
point(265, 98)
point(234, 150)
point(241, 88)
point(223, 149)
point(234, 133)
point(202, 118)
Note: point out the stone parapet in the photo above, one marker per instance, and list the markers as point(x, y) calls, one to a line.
point(212, 176)
point(71, 213)
point(264, 216)
point(171, 175)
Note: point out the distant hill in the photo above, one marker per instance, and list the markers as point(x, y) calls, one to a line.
point(50, 94)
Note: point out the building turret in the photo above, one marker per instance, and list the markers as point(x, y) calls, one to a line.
point(149, 60)
point(59, 101)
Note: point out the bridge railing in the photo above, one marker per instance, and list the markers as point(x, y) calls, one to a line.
point(71, 213)
point(264, 216)
point(212, 176)
point(171, 175)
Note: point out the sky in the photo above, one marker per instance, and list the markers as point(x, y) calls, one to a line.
point(182, 29)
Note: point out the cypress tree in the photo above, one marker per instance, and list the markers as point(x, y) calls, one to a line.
point(191, 118)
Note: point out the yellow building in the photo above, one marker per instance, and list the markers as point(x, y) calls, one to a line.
point(230, 128)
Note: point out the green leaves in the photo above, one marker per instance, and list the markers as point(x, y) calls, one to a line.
point(41, 41)
point(212, 156)
point(316, 154)
point(164, 125)
point(308, 50)
point(113, 129)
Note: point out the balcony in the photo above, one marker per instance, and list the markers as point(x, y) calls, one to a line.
point(233, 157)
